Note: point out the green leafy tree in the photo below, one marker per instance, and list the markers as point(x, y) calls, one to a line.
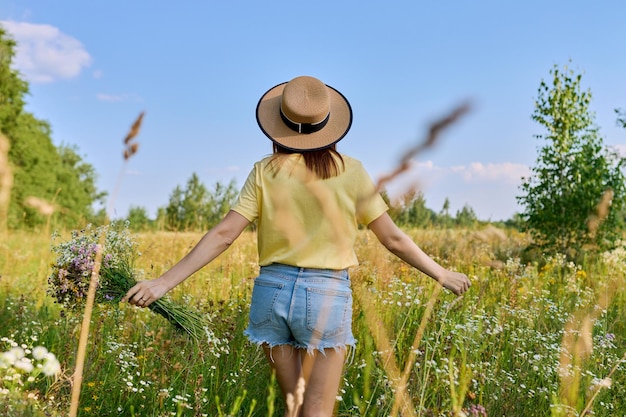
point(466, 217)
point(195, 208)
point(573, 172)
point(516, 222)
point(161, 223)
point(12, 87)
point(444, 219)
point(34, 159)
point(139, 220)
point(185, 210)
point(413, 211)
point(76, 185)
point(222, 199)
point(57, 175)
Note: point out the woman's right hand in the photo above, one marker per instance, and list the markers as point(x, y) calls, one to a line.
point(145, 293)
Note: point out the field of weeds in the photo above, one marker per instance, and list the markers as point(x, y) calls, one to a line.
point(545, 338)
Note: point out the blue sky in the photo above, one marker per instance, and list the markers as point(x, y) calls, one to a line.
point(198, 68)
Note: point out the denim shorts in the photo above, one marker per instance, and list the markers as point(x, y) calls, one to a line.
point(306, 308)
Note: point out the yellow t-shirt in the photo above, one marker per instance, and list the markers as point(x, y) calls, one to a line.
point(308, 222)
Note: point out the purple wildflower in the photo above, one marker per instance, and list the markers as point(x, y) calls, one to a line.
point(477, 411)
point(108, 259)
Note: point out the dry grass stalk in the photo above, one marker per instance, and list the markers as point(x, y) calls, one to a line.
point(383, 344)
point(6, 182)
point(400, 404)
point(576, 347)
point(602, 211)
point(84, 333)
point(429, 141)
point(604, 383)
point(403, 404)
point(42, 206)
point(134, 129)
point(131, 149)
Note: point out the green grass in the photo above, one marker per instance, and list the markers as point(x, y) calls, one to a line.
point(496, 351)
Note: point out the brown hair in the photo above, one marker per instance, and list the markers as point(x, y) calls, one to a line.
point(324, 163)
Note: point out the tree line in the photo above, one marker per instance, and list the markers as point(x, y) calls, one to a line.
point(196, 208)
point(573, 199)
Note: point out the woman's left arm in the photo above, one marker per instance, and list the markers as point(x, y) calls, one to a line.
point(401, 245)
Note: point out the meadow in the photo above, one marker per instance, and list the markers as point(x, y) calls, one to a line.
point(540, 338)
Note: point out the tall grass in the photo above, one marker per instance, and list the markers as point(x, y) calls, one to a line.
point(526, 340)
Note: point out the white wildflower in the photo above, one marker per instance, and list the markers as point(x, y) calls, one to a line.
point(24, 364)
point(39, 353)
point(51, 366)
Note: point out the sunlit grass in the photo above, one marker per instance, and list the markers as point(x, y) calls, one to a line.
point(496, 351)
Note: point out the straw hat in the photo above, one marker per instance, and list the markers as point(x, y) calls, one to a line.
point(304, 114)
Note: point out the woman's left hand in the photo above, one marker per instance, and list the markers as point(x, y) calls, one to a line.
point(456, 282)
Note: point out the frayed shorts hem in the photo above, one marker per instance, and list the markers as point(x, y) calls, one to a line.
point(347, 346)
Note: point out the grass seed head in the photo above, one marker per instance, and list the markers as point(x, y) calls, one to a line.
point(134, 129)
point(130, 146)
point(42, 206)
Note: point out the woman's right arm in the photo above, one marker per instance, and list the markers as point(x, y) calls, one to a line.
point(212, 244)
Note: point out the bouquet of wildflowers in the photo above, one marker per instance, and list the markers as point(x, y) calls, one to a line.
point(76, 259)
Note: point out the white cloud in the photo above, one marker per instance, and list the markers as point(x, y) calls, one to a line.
point(45, 54)
point(489, 188)
point(115, 98)
point(427, 165)
point(503, 172)
point(112, 98)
